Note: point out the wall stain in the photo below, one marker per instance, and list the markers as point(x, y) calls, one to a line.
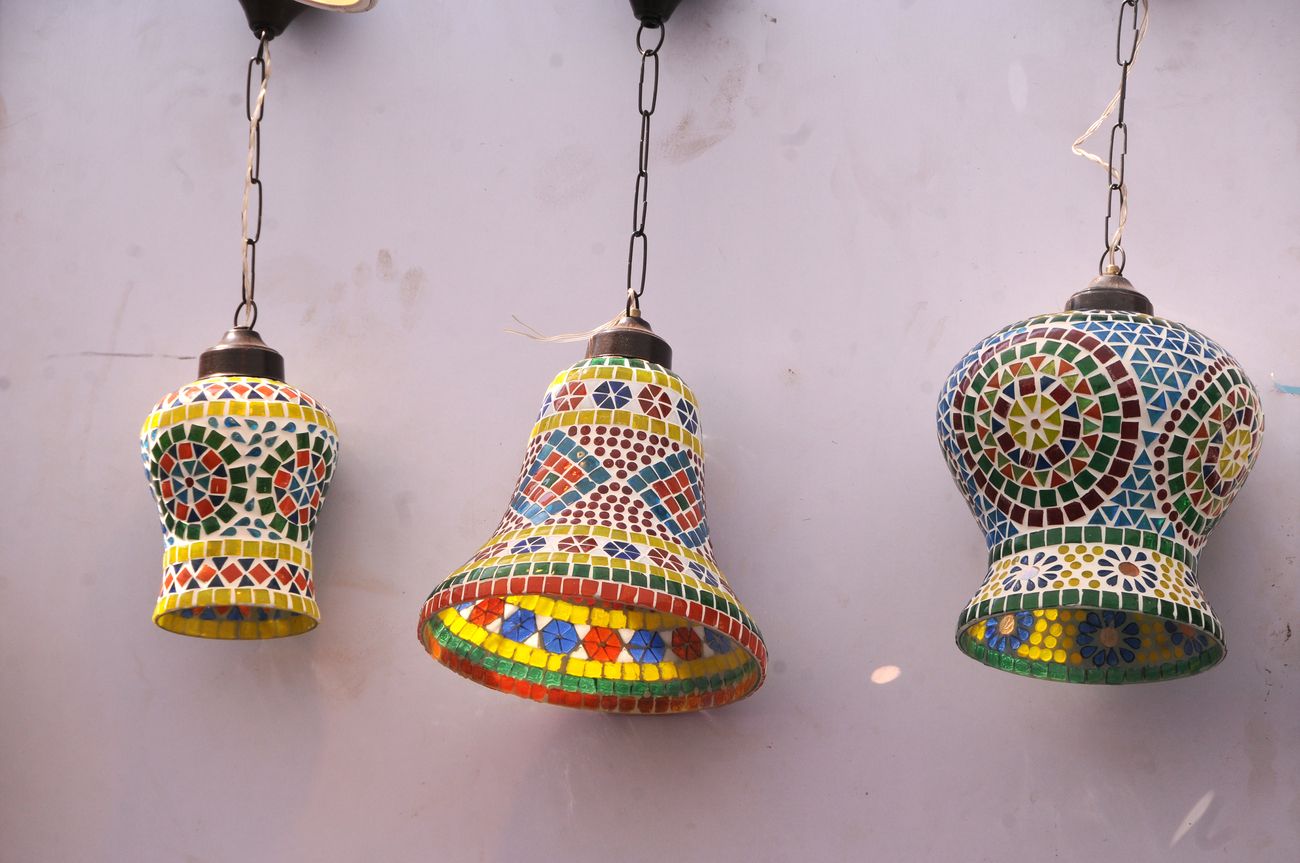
point(1261, 752)
point(412, 285)
point(695, 135)
point(385, 265)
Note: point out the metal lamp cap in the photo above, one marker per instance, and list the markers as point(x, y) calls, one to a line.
point(1110, 292)
point(630, 337)
point(241, 351)
point(653, 13)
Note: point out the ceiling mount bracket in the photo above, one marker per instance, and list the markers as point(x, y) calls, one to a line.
point(270, 16)
point(653, 13)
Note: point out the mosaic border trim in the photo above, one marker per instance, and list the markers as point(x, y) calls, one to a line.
point(1094, 533)
point(568, 578)
point(305, 610)
point(1090, 599)
point(730, 620)
point(174, 409)
point(1064, 673)
point(600, 693)
point(238, 548)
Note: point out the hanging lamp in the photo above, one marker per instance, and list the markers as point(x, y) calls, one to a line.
point(238, 460)
point(1098, 447)
point(599, 589)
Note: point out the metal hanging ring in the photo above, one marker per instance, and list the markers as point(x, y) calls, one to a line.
point(250, 321)
point(1117, 252)
point(658, 44)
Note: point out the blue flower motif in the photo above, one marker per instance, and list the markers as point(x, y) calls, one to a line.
point(686, 413)
point(646, 646)
point(1108, 637)
point(1032, 573)
point(622, 550)
point(1128, 568)
point(1187, 638)
point(1007, 632)
point(703, 574)
point(559, 636)
point(612, 395)
point(717, 642)
point(524, 546)
point(520, 625)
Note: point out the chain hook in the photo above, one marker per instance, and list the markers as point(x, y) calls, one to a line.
point(254, 110)
point(646, 100)
point(1113, 259)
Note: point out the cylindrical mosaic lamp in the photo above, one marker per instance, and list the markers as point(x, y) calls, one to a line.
point(1097, 447)
point(599, 589)
point(239, 463)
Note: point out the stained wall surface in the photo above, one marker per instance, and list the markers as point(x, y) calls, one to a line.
point(846, 196)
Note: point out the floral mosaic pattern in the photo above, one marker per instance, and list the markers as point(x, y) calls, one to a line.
point(599, 589)
point(239, 468)
point(1090, 646)
point(1097, 450)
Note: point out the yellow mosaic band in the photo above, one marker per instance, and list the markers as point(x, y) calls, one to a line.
point(294, 614)
point(200, 410)
point(580, 615)
point(237, 548)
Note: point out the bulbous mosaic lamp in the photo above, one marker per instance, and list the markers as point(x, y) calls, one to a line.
point(598, 588)
point(1097, 447)
point(239, 461)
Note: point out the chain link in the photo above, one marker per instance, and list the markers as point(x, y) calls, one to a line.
point(647, 99)
point(1114, 258)
point(254, 110)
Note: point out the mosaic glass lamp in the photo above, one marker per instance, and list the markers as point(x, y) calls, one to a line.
point(598, 589)
point(239, 461)
point(1098, 447)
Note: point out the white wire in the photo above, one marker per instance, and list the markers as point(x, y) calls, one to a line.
point(1077, 146)
point(538, 336)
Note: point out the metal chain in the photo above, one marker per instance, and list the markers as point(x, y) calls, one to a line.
point(1117, 195)
point(649, 57)
point(254, 108)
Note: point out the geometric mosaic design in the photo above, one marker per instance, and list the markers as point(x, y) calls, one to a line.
point(292, 482)
point(598, 589)
point(1047, 425)
point(671, 489)
point(557, 479)
point(1097, 450)
point(1206, 450)
point(611, 637)
point(1091, 646)
point(194, 481)
point(239, 468)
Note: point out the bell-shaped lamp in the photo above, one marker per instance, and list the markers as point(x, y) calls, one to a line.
point(239, 463)
point(1097, 448)
point(599, 589)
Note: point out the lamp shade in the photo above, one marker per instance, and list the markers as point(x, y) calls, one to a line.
point(239, 466)
point(599, 589)
point(1097, 449)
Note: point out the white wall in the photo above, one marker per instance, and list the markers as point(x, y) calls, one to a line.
point(846, 196)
